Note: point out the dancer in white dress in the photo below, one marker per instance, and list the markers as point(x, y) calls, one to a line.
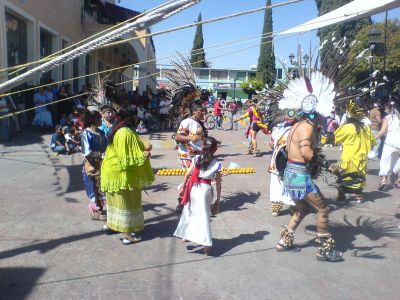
point(390, 159)
point(278, 139)
point(194, 224)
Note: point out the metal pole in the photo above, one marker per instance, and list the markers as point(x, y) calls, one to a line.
point(384, 45)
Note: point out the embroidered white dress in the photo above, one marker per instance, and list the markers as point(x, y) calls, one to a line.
point(194, 224)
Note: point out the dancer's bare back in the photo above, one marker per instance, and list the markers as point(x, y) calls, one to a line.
point(301, 142)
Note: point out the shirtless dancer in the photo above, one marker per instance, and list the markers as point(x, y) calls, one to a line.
point(299, 186)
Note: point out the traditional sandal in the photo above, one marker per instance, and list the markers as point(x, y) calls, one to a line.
point(359, 198)
point(97, 216)
point(130, 238)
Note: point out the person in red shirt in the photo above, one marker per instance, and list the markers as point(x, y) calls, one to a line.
point(218, 114)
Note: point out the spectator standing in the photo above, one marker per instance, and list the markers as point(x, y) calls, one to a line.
point(331, 125)
point(217, 112)
point(63, 107)
point(233, 107)
point(4, 123)
point(42, 117)
point(164, 113)
point(375, 118)
point(140, 112)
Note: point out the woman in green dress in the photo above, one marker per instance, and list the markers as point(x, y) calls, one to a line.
point(125, 171)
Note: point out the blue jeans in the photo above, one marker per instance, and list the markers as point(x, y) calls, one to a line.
point(233, 117)
point(59, 149)
point(218, 121)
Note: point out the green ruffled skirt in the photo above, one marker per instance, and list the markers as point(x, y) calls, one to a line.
point(124, 211)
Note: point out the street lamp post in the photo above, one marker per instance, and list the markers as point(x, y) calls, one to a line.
point(293, 62)
point(234, 88)
point(373, 36)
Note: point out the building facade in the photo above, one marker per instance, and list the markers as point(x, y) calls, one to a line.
point(33, 29)
point(222, 83)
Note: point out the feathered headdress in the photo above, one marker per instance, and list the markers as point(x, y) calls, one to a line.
point(182, 88)
point(97, 95)
point(309, 94)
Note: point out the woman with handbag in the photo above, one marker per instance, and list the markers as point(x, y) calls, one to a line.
point(93, 143)
point(125, 171)
point(194, 224)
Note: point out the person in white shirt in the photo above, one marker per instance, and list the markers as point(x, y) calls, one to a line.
point(390, 159)
point(164, 113)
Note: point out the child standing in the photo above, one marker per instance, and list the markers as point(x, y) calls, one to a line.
point(194, 224)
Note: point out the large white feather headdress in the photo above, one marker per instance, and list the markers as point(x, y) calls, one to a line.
point(309, 94)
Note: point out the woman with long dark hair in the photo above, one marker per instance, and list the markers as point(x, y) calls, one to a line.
point(93, 142)
point(125, 171)
point(197, 195)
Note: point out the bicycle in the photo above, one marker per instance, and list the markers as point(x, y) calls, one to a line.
point(211, 121)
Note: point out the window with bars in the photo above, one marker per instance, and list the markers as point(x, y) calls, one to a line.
point(16, 35)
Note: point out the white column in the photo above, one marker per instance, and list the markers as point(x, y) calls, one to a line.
point(3, 41)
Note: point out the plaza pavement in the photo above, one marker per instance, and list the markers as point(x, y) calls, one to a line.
point(50, 249)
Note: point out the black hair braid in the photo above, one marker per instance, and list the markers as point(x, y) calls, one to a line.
point(206, 158)
point(127, 119)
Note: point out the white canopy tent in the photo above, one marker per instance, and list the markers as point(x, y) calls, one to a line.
point(354, 10)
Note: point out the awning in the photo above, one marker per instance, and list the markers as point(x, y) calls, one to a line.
point(354, 10)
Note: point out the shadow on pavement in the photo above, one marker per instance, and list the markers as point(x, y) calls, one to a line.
point(374, 172)
point(153, 207)
point(345, 234)
point(160, 187)
point(28, 136)
point(235, 201)
point(17, 283)
point(46, 246)
point(222, 246)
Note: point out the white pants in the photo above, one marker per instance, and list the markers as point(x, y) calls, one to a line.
point(390, 160)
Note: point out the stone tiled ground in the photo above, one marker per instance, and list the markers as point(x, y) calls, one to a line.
point(50, 249)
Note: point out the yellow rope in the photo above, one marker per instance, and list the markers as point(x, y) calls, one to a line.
point(126, 66)
point(149, 75)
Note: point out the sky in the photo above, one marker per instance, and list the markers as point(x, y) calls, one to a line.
point(284, 17)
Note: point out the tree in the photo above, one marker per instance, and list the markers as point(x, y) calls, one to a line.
point(252, 85)
point(198, 58)
point(266, 61)
point(348, 29)
point(363, 66)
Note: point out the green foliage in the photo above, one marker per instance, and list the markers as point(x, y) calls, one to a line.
point(362, 68)
point(251, 86)
point(266, 61)
point(348, 29)
point(198, 58)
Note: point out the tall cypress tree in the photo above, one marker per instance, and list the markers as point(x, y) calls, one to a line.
point(348, 29)
point(266, 61)
point(198, 56)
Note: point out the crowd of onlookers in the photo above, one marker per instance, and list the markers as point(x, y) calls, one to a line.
point(151, 109)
